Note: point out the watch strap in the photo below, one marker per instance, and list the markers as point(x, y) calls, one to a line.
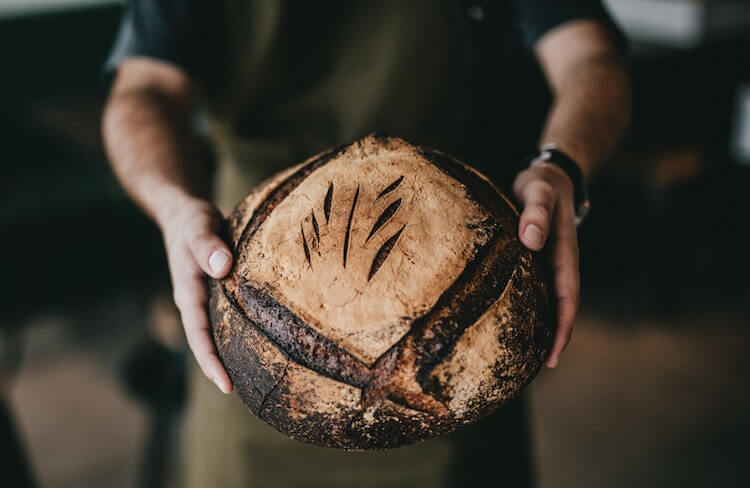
point(550, 154)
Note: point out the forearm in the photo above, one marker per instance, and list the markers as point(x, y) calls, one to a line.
point(152, 150)
point(588, 75)
point(591, 111)
point(151, 147)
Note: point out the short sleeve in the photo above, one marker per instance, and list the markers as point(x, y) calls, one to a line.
point(185, 33)
point(536, 17)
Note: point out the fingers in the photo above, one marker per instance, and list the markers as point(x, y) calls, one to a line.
point(194, 251)
point(190, 297)
point(546, 193)
point(211, 254)
point(538, 198)
point(566, 280)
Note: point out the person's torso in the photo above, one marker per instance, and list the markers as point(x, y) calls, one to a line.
point(304, 76)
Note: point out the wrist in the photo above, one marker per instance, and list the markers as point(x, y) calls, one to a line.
point(173, 204)
point(551, 157)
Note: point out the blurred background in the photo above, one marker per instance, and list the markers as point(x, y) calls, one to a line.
point(651, 392)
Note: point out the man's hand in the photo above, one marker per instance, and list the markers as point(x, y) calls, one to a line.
point(548, 217)
point(194, 252)
point(152, 148)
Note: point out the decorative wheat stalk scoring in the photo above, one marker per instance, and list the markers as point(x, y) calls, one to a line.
point(383, 218)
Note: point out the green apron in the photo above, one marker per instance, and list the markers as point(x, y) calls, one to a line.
point(302, 77)
point(305, 76)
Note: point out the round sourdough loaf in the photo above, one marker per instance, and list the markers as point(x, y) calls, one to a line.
point(379, 297)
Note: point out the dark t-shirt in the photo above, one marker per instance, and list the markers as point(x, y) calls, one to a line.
point(297, 77)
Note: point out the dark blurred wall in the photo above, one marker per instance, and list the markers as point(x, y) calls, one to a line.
point(68, 233)
point(667, 231)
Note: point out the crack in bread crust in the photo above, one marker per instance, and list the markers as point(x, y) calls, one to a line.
point(433, 336)
point(297, 339)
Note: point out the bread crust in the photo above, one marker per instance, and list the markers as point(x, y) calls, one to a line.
point(379, 297)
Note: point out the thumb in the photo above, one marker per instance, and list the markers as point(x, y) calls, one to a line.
point(539, 204)
point(211, 254)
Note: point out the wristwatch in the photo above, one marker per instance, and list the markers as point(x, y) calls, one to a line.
point(550, 154)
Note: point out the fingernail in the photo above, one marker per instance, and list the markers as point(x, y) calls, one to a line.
point(552, 363)
point(218, 384)
point(533, 235)
point(217, 260)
